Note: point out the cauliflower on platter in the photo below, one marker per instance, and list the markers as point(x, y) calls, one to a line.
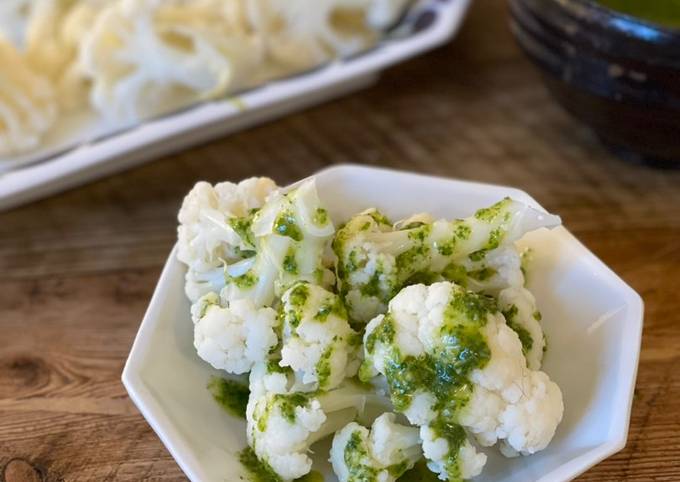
point(453, 365)
point(375, 260)
point(380, 455)
point(53, 35)
point(147, 58)
point(28, 107)
point(14, 15)
point(298, 35)
point(318, 343)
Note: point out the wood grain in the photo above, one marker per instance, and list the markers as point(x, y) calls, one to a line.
point(78, 269)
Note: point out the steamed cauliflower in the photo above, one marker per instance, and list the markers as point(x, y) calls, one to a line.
point(449, 454)
point(28, 108)
point(147, 58)
point(381, 455)
point(214, 230)
point(281, 426)
point(375, 260)
point(299, 35)
point(14, 15)
point(318, 343)
point(291, 233)
point(53, 36)
point(454, 347)
point(453, 365)
point(233, 338)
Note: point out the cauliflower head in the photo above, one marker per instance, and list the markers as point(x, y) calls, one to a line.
point(292, 233)
point(233, 338)
point(214, 230)
point(283, 424)
point(299, 35)
point(147, 58)
point(28, 108)
point(453, 366)
point(380, 455)
point(14, 15)
point(376, 259)
point(318, 343)
point(53, 35)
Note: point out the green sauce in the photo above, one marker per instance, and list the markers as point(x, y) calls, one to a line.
point(456, 274)
point(285, 225)
point(523, 334)
point(286, 403)
point(320, 217)
point(455, 435)
point(419, 473)
point(372, 286)
point(443, 371)
point(243, 227)
point(380, 218)
point(482, 274)
point(245, 281)
point(333, 305)
point(259, 471)
point(492, 213)
point(423, 277)
point(356, 453)
point(290, 264)
point(297, 299)
point(274, 367)
point(231, 395)
point(323, 367)
point(661, 12)
point(494, 241)
point(446, 248)
point(462, 231)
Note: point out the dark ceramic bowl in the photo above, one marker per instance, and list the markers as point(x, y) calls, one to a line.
point(618, 74)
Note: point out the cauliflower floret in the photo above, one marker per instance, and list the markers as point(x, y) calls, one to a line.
point(522, 407)
point(375, 261)
point(519, 308)
point(381, 455)
point(27, 103)
point(452, 364)
point(281, 427)
point(298, 35)
point(292, 232)
point(53, 36)
point(214, 231)
point(233, 338)
point(451, 461)
point(147, 58)
point(14, 15)
point(318, 343)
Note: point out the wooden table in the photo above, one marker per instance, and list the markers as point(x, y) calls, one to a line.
point(78, 269)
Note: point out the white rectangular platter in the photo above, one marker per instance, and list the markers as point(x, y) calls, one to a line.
point(434, 21)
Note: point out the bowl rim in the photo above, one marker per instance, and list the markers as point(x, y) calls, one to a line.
point(164, 427)
point(626, 36)
point(612, 13)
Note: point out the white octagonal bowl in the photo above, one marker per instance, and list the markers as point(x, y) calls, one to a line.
point(592, 319)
